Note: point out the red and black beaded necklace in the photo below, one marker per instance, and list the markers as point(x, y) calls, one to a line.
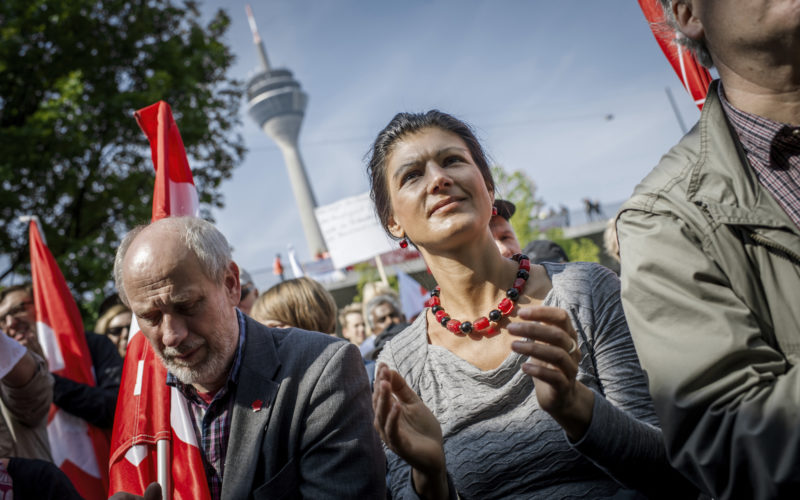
point(489, 323)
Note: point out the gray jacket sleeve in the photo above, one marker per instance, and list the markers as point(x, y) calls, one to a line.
point(623, 438)
point(727, 401)
point(30, 403)
point(341, 451)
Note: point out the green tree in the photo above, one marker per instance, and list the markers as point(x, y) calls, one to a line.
point(520, 190)
point(577, 249)
point(72, 72)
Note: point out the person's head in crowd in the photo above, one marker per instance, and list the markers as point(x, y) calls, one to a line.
point(408, 124)
point(249, 292)
point(18, 315)
point(695, 43)
point(300, 303)
point(539, 251)
point(178, 277)
point(502, 232)
point(382, 312)
point(115, 324)
point(610, 240)
point(351, 317)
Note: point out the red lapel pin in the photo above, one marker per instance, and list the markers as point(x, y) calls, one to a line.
point(257, 405)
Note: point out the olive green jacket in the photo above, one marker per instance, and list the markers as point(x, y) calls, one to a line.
point(711, 291)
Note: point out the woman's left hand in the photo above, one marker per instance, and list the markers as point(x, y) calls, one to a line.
point(552, 345)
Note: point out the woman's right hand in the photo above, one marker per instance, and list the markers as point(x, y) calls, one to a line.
point(410, 430)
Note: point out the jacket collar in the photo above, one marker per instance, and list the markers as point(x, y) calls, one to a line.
point(254, 401)
point(722, 180)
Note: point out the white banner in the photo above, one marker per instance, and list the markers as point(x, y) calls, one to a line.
point(352, 231)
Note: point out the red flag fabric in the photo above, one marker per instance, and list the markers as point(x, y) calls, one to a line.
point(150, 414)
point(78, 449)
point(174, 192)
point(694, 77)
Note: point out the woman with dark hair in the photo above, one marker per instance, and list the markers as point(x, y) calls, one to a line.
point(519, 380)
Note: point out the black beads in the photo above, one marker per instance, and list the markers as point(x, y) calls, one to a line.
point(513, 294)
point(436, 309)
point(495, 315)
point(522, 273)
point(466, 327)
point(435, 292)
point(444, 321)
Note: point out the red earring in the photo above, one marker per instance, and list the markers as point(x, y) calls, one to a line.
point(494, 210)
point(403, 243)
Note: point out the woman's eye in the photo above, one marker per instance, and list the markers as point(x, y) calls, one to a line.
point(410, 176)
point(451, 160)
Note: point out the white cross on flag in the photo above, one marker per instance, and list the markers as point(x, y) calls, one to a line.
point(153, 437)
point(78, 449)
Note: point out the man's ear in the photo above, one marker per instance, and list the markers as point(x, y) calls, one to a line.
point(233, 288)
point(689, 24)
point(394, 228)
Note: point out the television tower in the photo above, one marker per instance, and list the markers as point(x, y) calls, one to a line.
point(277, 104)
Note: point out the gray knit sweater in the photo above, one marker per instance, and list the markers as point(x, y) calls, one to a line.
point(499, 443)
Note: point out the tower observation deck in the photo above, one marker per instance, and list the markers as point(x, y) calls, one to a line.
point(277, 103)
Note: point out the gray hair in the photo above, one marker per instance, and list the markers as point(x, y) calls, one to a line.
point(200, 237)
point(378, 300)
point(696, 47)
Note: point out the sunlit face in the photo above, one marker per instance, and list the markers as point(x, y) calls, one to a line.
point(736, 31)
point(189, 320)
point(504, 236)
point(437, 193)
point(354, 328)
point(118, 330)
point(18, 315)
point(383, 316)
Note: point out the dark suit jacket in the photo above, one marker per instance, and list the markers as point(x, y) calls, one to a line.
point(313, 436)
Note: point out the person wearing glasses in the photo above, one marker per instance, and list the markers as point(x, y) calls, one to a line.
point(94, 404)
point(249, 292)
point(115, 324)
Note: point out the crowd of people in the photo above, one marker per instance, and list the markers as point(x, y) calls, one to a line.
point(526, 375)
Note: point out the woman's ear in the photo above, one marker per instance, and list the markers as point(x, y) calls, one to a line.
point(394, 228)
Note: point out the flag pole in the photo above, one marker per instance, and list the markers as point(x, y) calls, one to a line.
point(162, 449)
point(381, 270)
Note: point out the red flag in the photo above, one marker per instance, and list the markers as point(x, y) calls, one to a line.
point(79, 449)
point(694, 77)
point(151, 415)
point(174, 192)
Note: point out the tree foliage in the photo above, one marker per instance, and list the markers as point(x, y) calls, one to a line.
point(72, 72)
point(520, 189)
point(577, 249)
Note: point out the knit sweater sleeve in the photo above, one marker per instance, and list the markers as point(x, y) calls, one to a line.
point(398, 476)
point(623, 438)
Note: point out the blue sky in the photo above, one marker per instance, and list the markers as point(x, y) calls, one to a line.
point(535, 78)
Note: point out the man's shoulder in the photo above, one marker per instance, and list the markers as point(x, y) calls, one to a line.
point(293, 345)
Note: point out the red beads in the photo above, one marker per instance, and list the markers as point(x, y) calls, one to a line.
point(454, 326)
point(487, 326)
point(505, 306)
point(481, 324)
point(403, 243)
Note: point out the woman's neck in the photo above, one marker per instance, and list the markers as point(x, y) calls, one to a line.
point(472, 278)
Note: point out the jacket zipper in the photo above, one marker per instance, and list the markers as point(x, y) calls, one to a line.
point(771, 244)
